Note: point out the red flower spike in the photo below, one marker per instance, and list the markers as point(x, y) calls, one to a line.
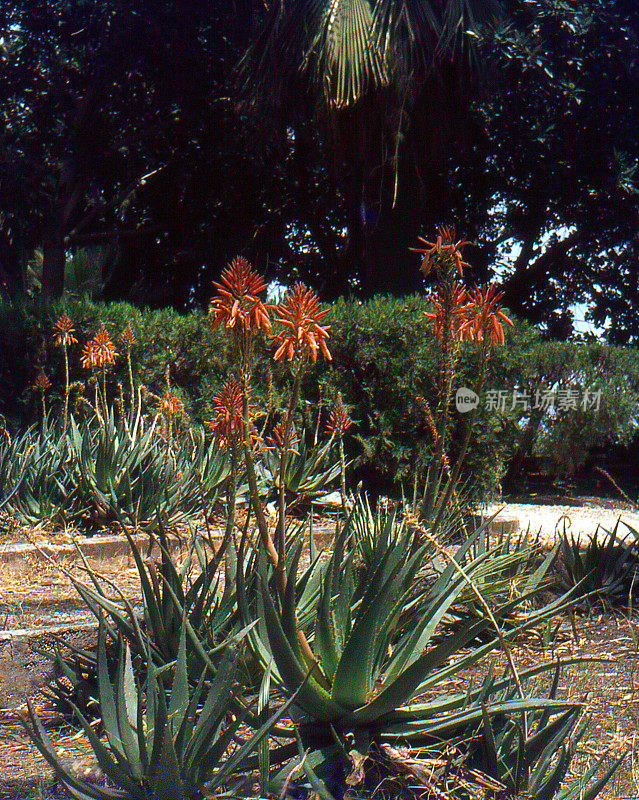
point(283, 442)
point(459, 310)
point(485, 321)
point(127, 338)
point(300, 314)
point(99, 350)
point(444, 245)
point(42, 383)
point(169, 404)
point(64, 331)
point(237, 304)
point(339, 421)
point(227, 424)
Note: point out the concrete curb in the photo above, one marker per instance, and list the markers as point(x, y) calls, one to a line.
point(501, 526)
point(104, 548)
point(98, 547)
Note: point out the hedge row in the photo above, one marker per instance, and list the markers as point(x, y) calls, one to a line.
point(384, 357)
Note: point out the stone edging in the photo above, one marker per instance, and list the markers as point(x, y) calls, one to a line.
point(100, 547)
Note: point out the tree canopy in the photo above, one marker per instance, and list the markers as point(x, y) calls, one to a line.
point(320, 139)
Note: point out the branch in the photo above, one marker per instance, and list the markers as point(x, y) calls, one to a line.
point(527, 275)
point(102, 236)
point(71, 237)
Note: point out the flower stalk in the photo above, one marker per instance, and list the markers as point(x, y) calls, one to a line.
point(338, 424)
point(459, 314)
point(240, 310)
point(63, 338)
point(41, 385)
point(128, 340)
point(98, 353)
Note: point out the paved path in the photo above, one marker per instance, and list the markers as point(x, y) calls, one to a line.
point(581, 521)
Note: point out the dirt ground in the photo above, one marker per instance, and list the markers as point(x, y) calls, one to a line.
point(609, 688)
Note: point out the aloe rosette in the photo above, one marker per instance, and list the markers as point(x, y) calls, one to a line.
point(373, 639)
point(607, 567)
point(35, 476)
point(159, 748)
point(307, 474)
point(132, 477)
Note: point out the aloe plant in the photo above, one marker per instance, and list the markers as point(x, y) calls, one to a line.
point(372, 638)
point(206, 606)
point(607, 568)
point(537, 764)
point(515, 566)
point(35, 476)
point(368, 529)
point(170, 601)
point(120, 476)
point(308, 471)
point(159, 748)
point(109, 473)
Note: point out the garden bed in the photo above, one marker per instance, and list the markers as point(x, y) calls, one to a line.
point(41, 593)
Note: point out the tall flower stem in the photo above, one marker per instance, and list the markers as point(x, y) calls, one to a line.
point(41, 385)
point(231, 492)
point(281, 516)
point(484, 353)
point(104, 395)
point(267, 541)
point(260, 518)
point(65, 413)
point(238, 307)
point(131, 386)
point(338, 423)
point(342, 474)
point(63, 338)
point(448, 347)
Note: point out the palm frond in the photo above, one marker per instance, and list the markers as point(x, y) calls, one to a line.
point(326, 45)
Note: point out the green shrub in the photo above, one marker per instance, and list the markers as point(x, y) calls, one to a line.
point(384, 358)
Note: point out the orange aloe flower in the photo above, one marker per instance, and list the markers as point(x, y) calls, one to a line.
point(127, 338)
point(99, 350)
point(42, 383)
point(283, 441)
point(169, 404)
point(485, 321)
point(444, 245)
point(237, 304)
point(339, 421)
point(458, 314)
point(228, 423)
point(300, 314)
point(64, 331)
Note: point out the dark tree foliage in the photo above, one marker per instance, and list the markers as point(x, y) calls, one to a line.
point(124, 127)
point(556, 158)
point(117, 133)
point(527, 141)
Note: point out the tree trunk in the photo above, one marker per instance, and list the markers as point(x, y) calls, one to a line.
point(354, 255)
point(12, 260)
point(525, 444)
